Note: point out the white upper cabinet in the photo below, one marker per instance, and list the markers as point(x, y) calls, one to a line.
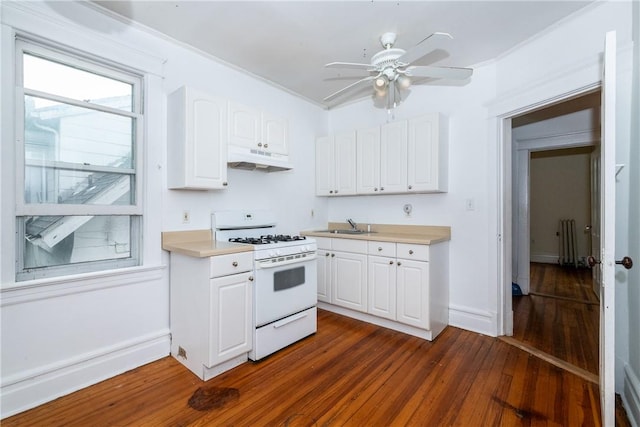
point(393, 157)
point(336, 164)
point(399, 157)
point(274, 134)
point(196, 140)
point(368, 161)
point(255, 129)
point(427, 147)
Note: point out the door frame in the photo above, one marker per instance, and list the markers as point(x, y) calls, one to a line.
point(522, 150)
point(505, 224)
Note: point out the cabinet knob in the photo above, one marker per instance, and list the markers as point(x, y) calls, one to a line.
point(251, 278)
point(379, 248)
point(381, 188)
point(410, 187)
point(259, 144)
point(330, 191)
point(234, 263)
point(224, 184)
point(375, 188)
point(266, 145)
point(327, 254)
point(332, 255)
point(336, 191)
point(399, 263)
point(410, 251)
point(390, 262)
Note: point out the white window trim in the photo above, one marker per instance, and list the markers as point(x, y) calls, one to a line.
point(102, 67)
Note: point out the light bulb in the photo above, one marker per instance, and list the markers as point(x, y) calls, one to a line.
point(403, 81)
point(380, 84)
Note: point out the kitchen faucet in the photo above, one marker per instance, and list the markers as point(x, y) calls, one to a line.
point(353, 225)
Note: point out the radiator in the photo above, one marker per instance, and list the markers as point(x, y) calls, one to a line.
point(568, 243)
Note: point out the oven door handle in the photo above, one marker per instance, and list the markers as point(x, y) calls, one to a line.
point(270, 264)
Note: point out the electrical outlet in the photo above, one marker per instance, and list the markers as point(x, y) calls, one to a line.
point(186, 217)
point(470, 204)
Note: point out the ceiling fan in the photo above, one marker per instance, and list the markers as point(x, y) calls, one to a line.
point(391, 70)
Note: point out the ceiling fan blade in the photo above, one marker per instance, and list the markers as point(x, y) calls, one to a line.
point(453, 73)
point(352, 65)
point(351, 86)
point(422, 48)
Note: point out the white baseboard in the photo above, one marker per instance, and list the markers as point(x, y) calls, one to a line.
point(545, 259)
point(471, 319)
point(631, 396)
point(30, 391)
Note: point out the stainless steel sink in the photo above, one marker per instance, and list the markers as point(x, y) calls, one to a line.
point(345, 231)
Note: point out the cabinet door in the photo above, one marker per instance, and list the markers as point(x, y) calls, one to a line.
point(368, 160)
point(324, 276)
point(413, 293)
point(230, 317)
point(382, 287)
point(427, 168)
point(349, 280)
point(345, 163)
point(274, 134)
point(196, 141)
point(393, 157)
point(244, 126)
point(325, 168)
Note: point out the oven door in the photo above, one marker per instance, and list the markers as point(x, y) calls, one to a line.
point(285, 287)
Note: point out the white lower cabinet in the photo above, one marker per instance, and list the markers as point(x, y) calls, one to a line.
point(413, 293)
point(406, 284)
point(342, 273)
point(211, 311)
point(349, 280)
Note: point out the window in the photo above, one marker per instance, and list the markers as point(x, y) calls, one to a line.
point(79, 127)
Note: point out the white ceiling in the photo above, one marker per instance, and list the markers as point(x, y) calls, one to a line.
point(288, 43)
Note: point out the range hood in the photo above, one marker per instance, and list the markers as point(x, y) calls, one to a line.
point(251, 159)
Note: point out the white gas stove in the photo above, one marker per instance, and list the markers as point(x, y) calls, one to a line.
point(285, 271)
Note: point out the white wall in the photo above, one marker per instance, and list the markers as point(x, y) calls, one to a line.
point(59, 335)
point(631, 394)
point(560, 189)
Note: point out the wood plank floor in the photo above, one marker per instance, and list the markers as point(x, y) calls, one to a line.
point(561, 315)
point(349, 373)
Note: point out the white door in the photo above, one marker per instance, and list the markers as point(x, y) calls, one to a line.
point(393, 157)
point(274, 134)
point(325, 166)
point(230, 317)
point(607, 230)
point(596, 273)
point(349, 284)
point(345, 163)
point(381, 279)
point(368, 160)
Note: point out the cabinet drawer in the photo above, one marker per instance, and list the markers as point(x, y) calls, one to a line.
point(410, 251)
point(224, 265)
point(349, 245)
point(382, 248)
point(323, 242)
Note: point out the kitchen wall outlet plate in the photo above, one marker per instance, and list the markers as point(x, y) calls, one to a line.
point(186, 217)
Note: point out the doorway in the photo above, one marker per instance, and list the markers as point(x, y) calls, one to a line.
point(556, 312)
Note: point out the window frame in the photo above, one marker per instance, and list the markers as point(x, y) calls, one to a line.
point(134, 210)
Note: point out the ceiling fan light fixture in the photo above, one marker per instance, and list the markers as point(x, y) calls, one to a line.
point(403, 81)
point(380, 84)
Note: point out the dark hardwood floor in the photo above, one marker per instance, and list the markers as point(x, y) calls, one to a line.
point(349, 373)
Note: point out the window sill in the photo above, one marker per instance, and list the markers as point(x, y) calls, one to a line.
point(15, 292)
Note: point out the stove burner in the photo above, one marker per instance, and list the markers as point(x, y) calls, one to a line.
point(267, 239)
